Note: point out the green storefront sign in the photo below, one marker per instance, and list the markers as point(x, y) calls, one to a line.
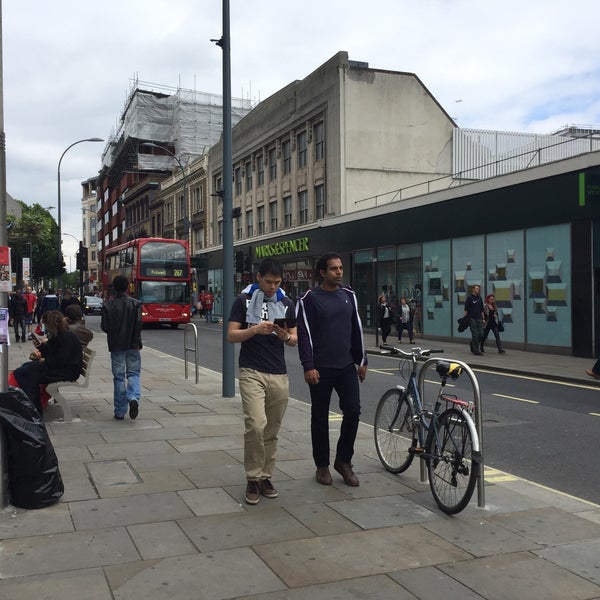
point(279, 248)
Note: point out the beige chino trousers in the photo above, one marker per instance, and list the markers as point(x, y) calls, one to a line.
point(264, 400)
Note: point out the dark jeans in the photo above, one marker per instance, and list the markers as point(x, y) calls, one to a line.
point(345, 383)
point(409, 327)
point(29, 376)
point(19, 322)
point(386, 327)
point(476, 334)
point(491, 326)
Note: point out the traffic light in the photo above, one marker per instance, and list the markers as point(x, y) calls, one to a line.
point(82, 259)
point(239, 262)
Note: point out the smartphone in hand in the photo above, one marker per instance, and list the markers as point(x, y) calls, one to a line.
point(289, 322)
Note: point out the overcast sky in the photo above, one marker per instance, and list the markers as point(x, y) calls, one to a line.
point(528, 65)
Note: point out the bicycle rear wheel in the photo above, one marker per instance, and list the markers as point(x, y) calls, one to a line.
point(395, 430)
point(450, 465)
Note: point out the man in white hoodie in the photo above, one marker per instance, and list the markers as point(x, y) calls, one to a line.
point(263, 374)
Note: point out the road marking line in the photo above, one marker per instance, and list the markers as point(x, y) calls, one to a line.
point(595, 414)
point(500, 478)
point(542, 379)
point(383, 371)
point(515, 398)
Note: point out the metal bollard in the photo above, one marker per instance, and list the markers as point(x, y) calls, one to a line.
point(191, 327)
point(478, 419)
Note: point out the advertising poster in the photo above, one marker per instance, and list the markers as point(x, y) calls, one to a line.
point(5, 270)
point(26, 274)
point(4, 338)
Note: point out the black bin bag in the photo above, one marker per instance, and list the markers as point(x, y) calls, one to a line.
point(34, 479)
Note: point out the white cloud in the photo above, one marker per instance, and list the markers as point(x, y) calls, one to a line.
point(68, 66)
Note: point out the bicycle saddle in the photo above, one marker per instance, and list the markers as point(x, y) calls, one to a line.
point(447, 369)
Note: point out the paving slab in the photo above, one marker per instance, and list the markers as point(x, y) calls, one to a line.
point(131, 510)
point(126, 450)
point(58, 586)
point(384, 511)
point(212, 576)
point(144, 435)
point(18, 522)
point(321, 519)
point(479, 537)
point(245, 528)
point(338, 557)
point(548, 526)
point(160, 540)
point(210, 501)
point(208, 443)
point(377, 587)
point(178, 460)
point(149, 482)
point(582, 558)
point(430, 582)
point(66, 552)
point(520, 575)
point(111, 472)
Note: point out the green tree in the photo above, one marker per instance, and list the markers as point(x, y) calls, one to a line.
point(35, 234)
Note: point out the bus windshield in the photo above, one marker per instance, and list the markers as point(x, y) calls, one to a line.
point(163, 291)
point(163, 259)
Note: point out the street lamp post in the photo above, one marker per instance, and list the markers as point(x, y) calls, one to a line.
point(186, 221)
point(59, 261)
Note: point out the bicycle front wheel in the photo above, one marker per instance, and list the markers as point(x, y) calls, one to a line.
point(450, 465)
point(395, 430)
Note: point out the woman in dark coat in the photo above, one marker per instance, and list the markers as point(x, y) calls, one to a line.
point(59, 358)
point(491, 319)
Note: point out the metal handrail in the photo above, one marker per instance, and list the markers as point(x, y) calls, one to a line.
point(478, 418)
point(191, 327)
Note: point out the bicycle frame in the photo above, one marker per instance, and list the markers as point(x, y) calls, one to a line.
point(444, 435)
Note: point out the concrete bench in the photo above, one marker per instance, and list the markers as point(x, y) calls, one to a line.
point(54, 388)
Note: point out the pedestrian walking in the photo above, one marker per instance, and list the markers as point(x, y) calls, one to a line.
point(31, 300)
point(405, 321)
point(386, 317)
point(333, 355)
point(474, 311)
point(263, 376)
point(492, 322)
point(121, 320)
point(207, 305)
point(18, 312)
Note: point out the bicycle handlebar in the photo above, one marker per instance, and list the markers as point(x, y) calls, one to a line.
point(412, 352)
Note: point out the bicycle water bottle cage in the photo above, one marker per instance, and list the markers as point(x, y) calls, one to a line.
point(446, 369)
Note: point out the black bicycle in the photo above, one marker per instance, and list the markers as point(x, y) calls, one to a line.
point(444, 436)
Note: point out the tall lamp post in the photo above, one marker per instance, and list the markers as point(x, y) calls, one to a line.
point(186, 222)
point(59, 258)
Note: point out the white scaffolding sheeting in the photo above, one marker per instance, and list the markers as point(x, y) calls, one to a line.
point(191, 120)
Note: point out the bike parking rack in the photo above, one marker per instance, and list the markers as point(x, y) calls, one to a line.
point(191, 327)
point(478, 418)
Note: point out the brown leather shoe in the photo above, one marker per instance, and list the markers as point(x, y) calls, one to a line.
point(592, 374)
point(345, 470)
point(323, 476)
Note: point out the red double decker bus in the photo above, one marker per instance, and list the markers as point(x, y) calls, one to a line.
point(158, 271)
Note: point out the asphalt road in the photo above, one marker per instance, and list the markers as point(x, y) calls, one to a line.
point(536, 429)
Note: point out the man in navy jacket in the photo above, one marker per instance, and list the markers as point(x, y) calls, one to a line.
point(332, 353)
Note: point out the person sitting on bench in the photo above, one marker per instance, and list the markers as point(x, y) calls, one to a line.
point(59, 358)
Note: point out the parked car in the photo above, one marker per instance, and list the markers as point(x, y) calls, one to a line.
point(93, 304)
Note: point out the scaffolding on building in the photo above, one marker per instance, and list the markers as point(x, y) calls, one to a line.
point(189, 120)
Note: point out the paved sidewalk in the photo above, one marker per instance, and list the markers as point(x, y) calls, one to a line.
point(154, 508)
